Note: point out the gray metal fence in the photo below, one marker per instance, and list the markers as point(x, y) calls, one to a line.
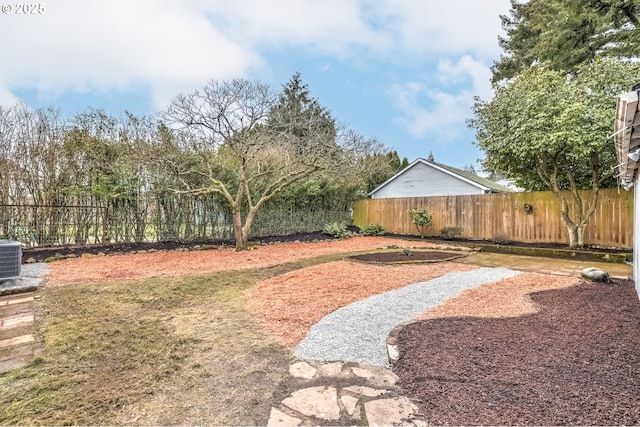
point(149, 221)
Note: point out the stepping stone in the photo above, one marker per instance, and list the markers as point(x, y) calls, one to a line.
point(11, 342)
point(16, 299)
point(376, 375)
point(16, 352)
point(331, 370)
point(279, 418)
point(302, 370)
point(16, 321)
point(365, 391)
point(387, 412)
point(7, 353)
point(349, 403)
point(20, 300)
point(320, 402)
point(14, 363)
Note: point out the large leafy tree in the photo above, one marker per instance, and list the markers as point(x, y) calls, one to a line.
point(549, 130)
point(250, 144)
point(563, 34)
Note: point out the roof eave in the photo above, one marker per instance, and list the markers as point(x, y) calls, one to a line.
point(627, 135)
point(483, 188)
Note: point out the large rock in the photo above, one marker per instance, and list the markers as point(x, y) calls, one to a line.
point(594, 274)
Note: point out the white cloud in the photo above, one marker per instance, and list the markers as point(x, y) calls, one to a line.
point(170, 47)
point(438, 114)
point(332, 27)
point(464, 70)
point(7, 99)
point(451, 27)
point(382, 27)
point(95, 46)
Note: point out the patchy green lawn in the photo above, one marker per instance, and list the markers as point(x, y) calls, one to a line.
point(154, 351)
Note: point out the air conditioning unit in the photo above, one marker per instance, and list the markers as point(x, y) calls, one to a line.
point(10, 259)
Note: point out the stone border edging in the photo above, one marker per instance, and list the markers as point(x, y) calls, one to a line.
point(453, 257)
point(569, 254)
point(392, 341)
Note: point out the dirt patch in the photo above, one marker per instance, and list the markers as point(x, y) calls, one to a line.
point(574, 362)
point(406, 257)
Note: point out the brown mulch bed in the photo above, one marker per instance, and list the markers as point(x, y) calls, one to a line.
point(505, 298)
point(576, 361)
point(406, 257)
point(92, 268)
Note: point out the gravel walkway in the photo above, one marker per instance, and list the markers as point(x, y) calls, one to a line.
point(358, 332)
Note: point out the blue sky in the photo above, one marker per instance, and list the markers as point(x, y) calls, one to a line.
point(402, 71)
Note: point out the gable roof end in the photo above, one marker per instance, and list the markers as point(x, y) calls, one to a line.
point(482, 183)
point(492, 186)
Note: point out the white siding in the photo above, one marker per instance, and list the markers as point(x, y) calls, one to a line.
point(423, 180)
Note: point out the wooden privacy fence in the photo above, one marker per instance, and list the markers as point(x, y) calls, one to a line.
point(522, 217)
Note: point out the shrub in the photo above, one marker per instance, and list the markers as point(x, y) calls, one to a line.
point(450, 232)
point(372, 230)
point(421, 218)
point(337, 230)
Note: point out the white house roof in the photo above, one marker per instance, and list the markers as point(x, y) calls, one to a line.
point(470, 178)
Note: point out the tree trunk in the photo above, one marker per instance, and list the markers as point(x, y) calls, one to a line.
point(580, 232)
point(575, 232)
point(576, 227)
point(574, 235)
point(238, 231)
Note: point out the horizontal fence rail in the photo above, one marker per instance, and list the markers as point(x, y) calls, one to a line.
point(522, 217)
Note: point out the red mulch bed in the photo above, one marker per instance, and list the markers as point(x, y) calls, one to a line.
point(575, 362)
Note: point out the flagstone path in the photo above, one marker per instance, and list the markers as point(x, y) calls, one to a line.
point(344, 393)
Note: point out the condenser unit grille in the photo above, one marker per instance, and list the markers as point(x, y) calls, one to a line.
point(10, 259)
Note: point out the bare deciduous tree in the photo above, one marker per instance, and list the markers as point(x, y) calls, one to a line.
point(251, 145)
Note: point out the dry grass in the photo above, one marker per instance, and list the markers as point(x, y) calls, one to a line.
point(149, 352)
